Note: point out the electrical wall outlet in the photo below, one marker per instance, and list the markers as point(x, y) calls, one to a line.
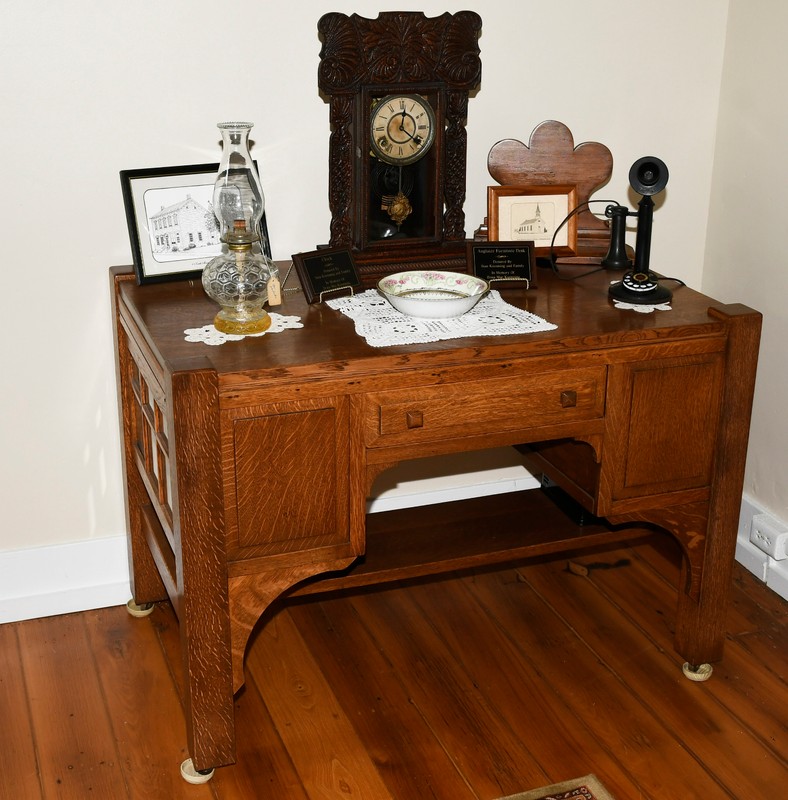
point(770, 536)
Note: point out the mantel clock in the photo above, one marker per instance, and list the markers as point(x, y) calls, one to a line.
point(398, 89)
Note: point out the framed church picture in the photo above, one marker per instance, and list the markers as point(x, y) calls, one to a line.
point(544, 215)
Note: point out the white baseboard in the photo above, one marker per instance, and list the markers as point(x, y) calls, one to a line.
point(442, 479)
point(769, 571)
point(60, 579)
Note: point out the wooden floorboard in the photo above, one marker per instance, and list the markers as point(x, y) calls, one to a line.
point(519, 682)
point(687, 711)
point(597, 696)
point(477, 739)
point(366, 680)
point(473, 686)
point(325, 748)
point(77, 752)
point(150, 736)
point(747, 688)
point(19, 770)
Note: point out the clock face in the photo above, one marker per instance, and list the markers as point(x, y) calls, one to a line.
point(402, 128)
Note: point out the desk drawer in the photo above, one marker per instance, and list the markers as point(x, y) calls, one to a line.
point(490, 405)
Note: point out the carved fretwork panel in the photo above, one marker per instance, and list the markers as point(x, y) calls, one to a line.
point(398, 47)
point(341, 172)
point(454, 176)
point(362, 60)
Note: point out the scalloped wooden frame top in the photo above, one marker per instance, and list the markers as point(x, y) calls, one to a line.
point(551, 158)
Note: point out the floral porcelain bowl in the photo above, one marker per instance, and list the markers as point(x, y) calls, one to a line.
point(431, 294)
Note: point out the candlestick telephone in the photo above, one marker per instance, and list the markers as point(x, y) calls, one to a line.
point(648, 177)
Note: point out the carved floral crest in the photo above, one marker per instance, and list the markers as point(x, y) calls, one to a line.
point(399, 47)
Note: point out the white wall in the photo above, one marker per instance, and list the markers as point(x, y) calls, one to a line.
point(91, 88)
point(747, 246)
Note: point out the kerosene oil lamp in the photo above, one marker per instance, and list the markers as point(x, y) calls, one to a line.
point(238, 278)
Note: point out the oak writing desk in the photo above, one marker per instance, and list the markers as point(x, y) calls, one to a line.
point(248, 465)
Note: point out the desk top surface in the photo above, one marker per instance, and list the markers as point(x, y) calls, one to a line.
point(327, 344)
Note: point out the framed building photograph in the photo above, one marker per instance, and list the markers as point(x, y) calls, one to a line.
point(172, 227)
point(539, 214)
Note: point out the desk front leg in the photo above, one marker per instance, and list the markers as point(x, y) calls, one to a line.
point(707, 542)
point(707, 529)
point(201, 569)
point(700, 626)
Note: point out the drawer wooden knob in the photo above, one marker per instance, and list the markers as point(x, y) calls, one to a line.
point(415, 419)
point(568, 399)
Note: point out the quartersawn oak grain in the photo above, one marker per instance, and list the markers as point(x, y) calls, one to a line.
point(646, 415)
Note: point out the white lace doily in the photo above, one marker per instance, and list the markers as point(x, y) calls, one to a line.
point(382, 325)
point(642, 308)
point(209, 335)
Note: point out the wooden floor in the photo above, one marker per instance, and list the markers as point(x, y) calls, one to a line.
point(475, 686)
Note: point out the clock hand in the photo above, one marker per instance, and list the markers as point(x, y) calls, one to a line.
point(404, 130)
point(414, 137)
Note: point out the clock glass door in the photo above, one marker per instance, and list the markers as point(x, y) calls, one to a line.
point(401, 172)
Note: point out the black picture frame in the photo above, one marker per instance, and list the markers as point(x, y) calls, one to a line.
point(165, 254)
point(326, 271)
point(504, 265)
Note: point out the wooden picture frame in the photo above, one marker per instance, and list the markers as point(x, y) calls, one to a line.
point(536, 214)
point(161, 247)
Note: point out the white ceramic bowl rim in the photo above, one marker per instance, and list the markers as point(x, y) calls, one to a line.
point(443, 286)
point(432, 294)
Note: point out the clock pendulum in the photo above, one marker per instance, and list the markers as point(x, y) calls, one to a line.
point(394, 185)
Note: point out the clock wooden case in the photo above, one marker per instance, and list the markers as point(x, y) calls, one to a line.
point(398, 88)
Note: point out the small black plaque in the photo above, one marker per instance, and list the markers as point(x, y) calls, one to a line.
point(503, 264)
point(326, 271)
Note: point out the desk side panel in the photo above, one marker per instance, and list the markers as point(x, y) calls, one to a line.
point(146, 583)
point(286, 478)
point(663, 418)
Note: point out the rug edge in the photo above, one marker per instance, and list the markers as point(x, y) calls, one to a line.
point(590, 780)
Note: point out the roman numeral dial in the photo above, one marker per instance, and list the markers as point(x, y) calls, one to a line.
point(402, 128)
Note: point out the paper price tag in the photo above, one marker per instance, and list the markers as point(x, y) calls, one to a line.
point(274, 292)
